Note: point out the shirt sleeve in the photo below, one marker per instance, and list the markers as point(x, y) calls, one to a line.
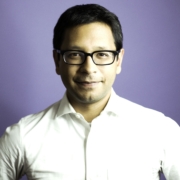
point(11, 154)
point(171, 159)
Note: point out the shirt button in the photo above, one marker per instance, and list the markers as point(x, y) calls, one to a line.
point(78, 116)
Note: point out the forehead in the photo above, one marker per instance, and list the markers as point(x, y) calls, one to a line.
point(94, 34)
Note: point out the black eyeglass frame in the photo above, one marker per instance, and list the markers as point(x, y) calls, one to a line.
point(115, 53)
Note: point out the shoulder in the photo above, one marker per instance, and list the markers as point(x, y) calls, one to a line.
point(45, 115)
point(139, 114)
point(131, 108)
point(30, 123)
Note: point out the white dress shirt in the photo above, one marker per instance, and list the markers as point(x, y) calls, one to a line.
point(125, 142)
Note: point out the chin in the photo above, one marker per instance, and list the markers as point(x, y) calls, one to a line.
point(89, 99)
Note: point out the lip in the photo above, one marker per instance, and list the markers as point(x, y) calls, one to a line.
point(88, 84)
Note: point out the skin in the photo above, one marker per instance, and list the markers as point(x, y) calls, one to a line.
point(88, 85)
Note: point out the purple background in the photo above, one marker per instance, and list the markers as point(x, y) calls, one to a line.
point(151, 65)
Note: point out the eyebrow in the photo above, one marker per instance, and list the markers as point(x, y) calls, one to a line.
point(75, 47)
point(80, 48)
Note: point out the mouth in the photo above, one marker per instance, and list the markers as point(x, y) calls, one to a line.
point(88, 84)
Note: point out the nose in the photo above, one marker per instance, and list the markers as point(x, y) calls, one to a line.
point(88, 66)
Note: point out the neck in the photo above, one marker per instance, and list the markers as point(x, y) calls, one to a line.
point(90, 110)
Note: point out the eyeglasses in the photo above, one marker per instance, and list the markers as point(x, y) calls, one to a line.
point(73, 57)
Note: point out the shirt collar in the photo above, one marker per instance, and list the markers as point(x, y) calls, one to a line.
point(65, 107)
point(113, 105)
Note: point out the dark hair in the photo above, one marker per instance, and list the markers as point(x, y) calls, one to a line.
point(85, 14)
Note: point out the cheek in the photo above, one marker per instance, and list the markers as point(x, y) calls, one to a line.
point(109, 72)
point(67, 74)
point(111, 78)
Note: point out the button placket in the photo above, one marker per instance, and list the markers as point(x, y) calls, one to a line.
point(96, 160)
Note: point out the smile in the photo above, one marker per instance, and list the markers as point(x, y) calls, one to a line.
point(88, 84)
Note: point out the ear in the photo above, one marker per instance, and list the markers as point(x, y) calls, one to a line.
point(56, 61)
point(119, 61)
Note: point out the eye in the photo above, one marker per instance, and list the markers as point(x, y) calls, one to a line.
point(73, 55)
point(102, 54)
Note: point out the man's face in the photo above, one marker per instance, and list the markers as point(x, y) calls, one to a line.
point(88, 83)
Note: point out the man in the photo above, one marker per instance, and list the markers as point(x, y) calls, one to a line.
point(92, 133)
